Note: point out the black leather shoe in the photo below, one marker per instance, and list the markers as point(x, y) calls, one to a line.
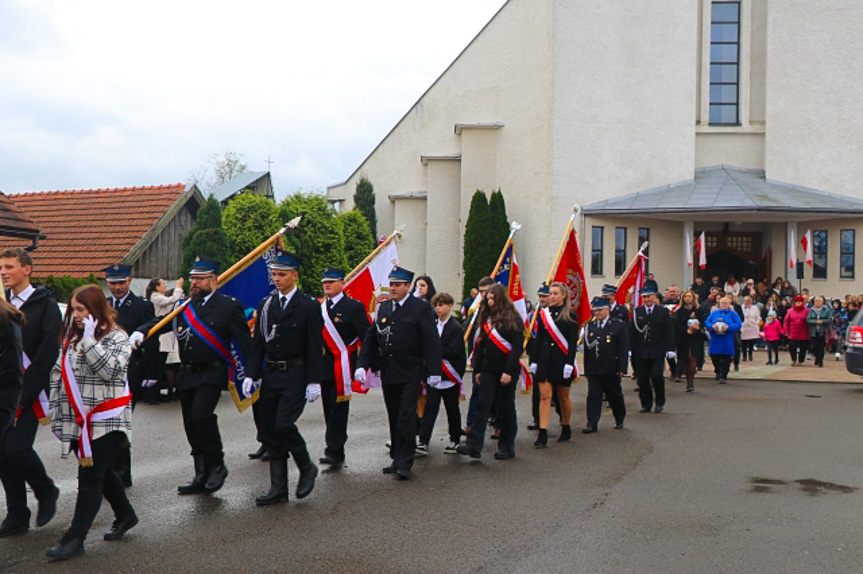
point(464, 450)
point(121, 526)
point(47, 508)
point(65, 549)
point(196, 485)
point(541, 440)
point(307, 480)
point(216, 479)
point(504, 454)
point(278, 483)
point(533, 426)
point(644, 410)
point(330, 461)
point(403, 474)
point(258, 453)
point(618, 425)
point(391, 469)
point(588, 429)
point(12, 526)
point(659, 409)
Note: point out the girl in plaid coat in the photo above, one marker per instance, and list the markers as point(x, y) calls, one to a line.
point(91, 413)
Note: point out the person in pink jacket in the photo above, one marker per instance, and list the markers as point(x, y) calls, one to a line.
point(797, 330)
point(772, 335)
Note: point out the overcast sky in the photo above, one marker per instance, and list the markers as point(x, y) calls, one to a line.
point(107, 93)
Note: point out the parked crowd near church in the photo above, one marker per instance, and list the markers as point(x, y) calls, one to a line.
point(84, 373)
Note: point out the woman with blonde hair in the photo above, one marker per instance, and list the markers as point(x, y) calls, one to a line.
point(555, 368)
point(92, 414)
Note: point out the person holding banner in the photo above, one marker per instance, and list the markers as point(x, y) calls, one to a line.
point(555, 368)
point(20, 465)
point(451, 386)
point(496, 367)
point(204, 332)
point(345, 324)
point(287, 357)
point(91, 408)
point(652, 339)
point(404, 341)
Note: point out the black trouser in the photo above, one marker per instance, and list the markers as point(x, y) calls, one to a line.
point(20, 466)
point(401, 401)
point(98, 480)
point(818, 343)
point(748, 348)
point(453, 413)
point(773, 351)
point(491, 389)
point(721, 363)
point(798, 348)
point(277, 415)
point(201, 423)
point(650, 381)
point(610, 385)
point(336, 418)
point(737, 346)
point(135, 376)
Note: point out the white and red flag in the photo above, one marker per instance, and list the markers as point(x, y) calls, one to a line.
point(366, 283)
point(806, 242)
point(688, 251)
point(634, 278)
point(792, 249)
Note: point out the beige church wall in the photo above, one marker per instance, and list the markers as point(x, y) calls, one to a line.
point(735, 149)
point(443, 255)
point(504, 76)
point(814, 94)
point(833, 286)
point(412, 252)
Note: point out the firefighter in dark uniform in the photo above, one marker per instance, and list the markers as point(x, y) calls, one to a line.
point(532, 351)
point(606, 354)
point(615, 311)
point(143, 373)
point(404, 341)
point(287, 358)
point(652, 338)
point(349, 318)
point(204, 371)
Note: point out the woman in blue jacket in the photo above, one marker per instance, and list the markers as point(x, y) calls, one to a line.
point(722, 323)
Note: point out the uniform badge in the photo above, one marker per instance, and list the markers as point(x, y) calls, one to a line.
point(338, 318)
point(383, 319)
point(608, 338)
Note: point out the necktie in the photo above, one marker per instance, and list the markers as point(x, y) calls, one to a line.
point(329, 304)
point(284, 302)
point(116, 303)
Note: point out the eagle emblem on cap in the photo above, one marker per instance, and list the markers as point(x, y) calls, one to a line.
point(116, 267)
point(197, 259)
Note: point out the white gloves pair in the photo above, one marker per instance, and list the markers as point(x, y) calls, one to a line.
point(670, 355)
point(313, 390)
point(135, 339)
point(90, 325)
point(360, 375)
point(149, 382)
point(249, 386)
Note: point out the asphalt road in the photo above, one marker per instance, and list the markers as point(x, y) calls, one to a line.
point(751, 476)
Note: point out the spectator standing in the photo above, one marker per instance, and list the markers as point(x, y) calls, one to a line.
point(750, 329)
point(797, 330)
point(820, 320)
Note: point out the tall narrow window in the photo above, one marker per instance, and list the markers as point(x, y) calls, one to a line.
point(846, 254)
point(724, 63)
point(619, 250)
point(596, 250)
point(819, 254)
point(644, 235)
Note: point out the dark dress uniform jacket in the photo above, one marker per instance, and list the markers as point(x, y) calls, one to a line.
point(405, 341)
point(620, 312)
point(144, 362)
point(297, 336)
point(11, 376)
point(651, 336)
point(41, 338)
point(489, 358)
point(452, 345)
point(351, 321)
point(225, 317)
point(551, 359)
point(612, 347)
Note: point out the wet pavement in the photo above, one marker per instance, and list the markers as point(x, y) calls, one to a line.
point(752, 476)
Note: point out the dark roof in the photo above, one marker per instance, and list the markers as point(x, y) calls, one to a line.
point(14, 222)
point(723, 189)
point(237, 184)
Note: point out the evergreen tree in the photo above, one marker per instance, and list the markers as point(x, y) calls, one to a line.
point(498, 225)
point(364, 200)
point(358, 238)
point(317, 239)
point(475, 264)
point(206, 237)
point(249, 220)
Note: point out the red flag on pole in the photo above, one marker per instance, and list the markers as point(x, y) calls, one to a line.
point(807, 246)
point(635, 278)
point(571, 272)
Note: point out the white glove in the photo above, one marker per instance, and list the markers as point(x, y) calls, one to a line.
point(90, 325)
point(670, 355)
point(360, 375)
point(248, 386)
point(313, 392)
point(567, 371)
point(533, 368)
point(433, 381)
point(135, 339)
point(149, 383)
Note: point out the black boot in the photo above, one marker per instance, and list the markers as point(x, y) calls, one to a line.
point(258, 453)
point(278, 483)
point(68, 547)
point(308, 473)
point(542, 439)
point(565, 433)
point(218, 474)
point(196, 486)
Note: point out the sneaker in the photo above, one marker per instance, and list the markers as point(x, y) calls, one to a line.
point(450, 448)
point(421, 449)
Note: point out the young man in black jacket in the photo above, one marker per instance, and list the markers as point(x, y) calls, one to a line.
point(19, 463)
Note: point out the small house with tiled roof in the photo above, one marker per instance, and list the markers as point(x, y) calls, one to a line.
point(15, 223)
point(88, 229)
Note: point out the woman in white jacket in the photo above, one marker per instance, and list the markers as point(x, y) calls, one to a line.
point(91, 414)
point(164, 303)
point(749, 332)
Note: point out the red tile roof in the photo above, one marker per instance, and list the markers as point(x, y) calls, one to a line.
point(13, 221)
point(88, 229)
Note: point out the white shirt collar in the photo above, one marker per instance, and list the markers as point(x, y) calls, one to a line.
point(287, 296)
point(602, 324)
point(440, 325)
point(207, 298)
point(335, 299)
point(126, 296)
point(21, 298)
point(402, 302)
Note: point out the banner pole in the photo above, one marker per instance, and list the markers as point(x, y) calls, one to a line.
point(394, 235)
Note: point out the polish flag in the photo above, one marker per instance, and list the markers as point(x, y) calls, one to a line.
point(635, 278)
point(807, 246)
point(701, 245)
point(364, 285)
point(688, 251)
point(792, 249)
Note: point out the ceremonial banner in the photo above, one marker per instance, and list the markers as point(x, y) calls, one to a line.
point(570, 272)
point(635, 278)
point(366, 284)
point(509, 276)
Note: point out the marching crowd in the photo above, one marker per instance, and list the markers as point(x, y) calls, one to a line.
point(84, 373)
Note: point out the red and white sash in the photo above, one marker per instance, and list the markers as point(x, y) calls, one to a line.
point(452, 376)
point(84, 418)
point(341, 354)
point(548, 322)
point(41, 407)
point(495, 337)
